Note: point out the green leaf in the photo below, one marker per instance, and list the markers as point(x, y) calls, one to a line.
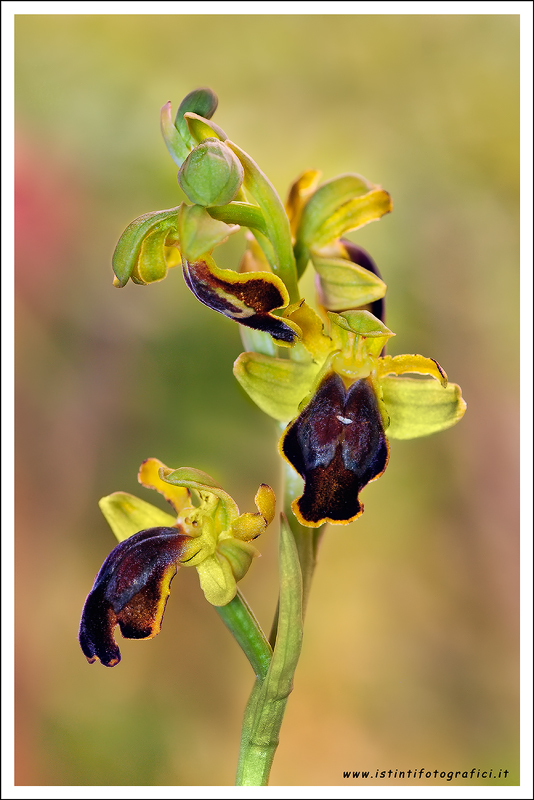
point(420, 407)
point(345, 284)
point(276, 385)
point(199, 232)
point(127, 514)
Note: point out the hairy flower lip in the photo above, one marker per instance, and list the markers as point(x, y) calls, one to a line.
point(337, 444)
point(130, 590)
point(133, 584)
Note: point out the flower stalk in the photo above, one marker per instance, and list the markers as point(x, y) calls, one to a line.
point(315, 365)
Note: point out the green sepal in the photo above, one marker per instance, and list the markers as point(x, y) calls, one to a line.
point(326, 200)
point(217, 580)
point(129, 246)
point(199, 232)
point(345, 284)
point(420, 407)
point(276, 385)
point(200, 128)
point(151, 265)
point(127, 514)
point(175, 144)
point(200, 101)
point(352, 215)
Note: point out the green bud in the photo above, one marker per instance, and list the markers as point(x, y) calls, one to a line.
point(200, 101)
point(211, 175)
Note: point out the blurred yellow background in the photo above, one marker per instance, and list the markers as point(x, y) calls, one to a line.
point(410, 655)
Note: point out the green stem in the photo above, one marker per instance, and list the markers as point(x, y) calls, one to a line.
point(243, 625)
point(244, 214)
point(266, 707)
point(306, 539)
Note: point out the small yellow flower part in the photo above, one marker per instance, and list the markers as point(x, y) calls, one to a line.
point(132, 587)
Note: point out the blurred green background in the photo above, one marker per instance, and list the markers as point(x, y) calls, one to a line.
point(410, 656)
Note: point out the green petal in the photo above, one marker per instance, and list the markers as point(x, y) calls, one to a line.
point(127, 514)
point(276, 385)
point(217, 580)
point(199, 232)
point(345, 284)
point(420, 407)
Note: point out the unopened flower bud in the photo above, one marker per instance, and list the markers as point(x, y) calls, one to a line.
point(211, 175)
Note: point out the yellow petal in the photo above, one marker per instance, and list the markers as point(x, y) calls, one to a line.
point(399, 365)
point(177, 496)
point(249, 526)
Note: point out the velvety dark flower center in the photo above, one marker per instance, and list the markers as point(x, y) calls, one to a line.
point(338, 445)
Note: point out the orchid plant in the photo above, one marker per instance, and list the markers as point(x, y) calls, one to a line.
point(317, 365)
